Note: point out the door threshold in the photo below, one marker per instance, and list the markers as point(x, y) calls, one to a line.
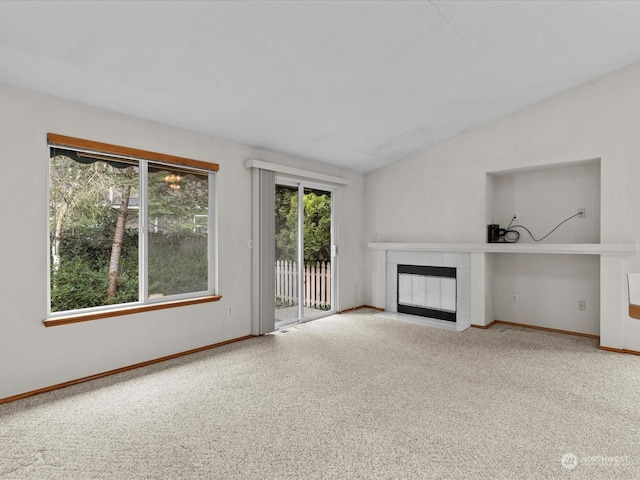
point(290, 323)
point(286, 324)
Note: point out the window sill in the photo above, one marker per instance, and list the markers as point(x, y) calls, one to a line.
point(85, 317)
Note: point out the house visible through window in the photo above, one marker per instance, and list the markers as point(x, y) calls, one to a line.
point(126, 230)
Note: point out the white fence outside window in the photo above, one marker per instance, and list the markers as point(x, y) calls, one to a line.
point(317, 284)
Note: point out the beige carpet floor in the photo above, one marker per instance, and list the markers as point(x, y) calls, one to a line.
point(348, 396)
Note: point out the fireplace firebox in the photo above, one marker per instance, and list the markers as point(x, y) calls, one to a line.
point(427, 291)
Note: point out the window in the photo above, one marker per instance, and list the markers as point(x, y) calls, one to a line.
point(126, 228)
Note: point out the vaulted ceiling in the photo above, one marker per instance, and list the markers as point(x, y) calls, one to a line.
point(359, 84)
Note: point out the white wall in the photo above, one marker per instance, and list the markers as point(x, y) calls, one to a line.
point(441, 194)
point(548, 289)
point(33, 356)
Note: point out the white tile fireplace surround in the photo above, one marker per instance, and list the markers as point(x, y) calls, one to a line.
point(459, 261)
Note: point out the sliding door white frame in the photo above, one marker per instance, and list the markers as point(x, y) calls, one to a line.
point(301, 185)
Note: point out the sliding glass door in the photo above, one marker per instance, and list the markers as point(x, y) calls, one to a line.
point(304, 251)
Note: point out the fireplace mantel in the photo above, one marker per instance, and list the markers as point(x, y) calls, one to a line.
point(613, 307)
point(621, 249)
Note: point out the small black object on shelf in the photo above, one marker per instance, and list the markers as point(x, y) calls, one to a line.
point(493, 233)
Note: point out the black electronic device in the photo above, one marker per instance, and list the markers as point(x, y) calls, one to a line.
point(493, 233)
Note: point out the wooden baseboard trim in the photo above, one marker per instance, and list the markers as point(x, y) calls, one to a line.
point(535, 327)
point(484, 327)
point(118, 370)
point(359, 307)
point(618, 350)
point(566, 332)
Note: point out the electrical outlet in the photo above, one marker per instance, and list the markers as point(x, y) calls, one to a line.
point(581, 213)
point(515, 215)
point(229, 311)
point(582, 305)
point(515, 298)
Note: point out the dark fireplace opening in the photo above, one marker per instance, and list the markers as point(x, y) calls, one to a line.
point(427, 291)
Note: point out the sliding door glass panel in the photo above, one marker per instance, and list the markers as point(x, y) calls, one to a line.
point(287, 268)
point(317, 276)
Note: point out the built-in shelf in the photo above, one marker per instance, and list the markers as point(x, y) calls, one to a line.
point(616, 249)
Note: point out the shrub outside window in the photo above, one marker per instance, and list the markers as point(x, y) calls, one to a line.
point(125, 230)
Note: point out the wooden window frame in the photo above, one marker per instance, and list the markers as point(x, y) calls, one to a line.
point(63, 141)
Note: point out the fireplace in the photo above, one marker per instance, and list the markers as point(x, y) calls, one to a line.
point(440, 288)
point(427, 291)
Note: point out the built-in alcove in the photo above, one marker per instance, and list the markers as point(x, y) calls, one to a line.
point(545, 196)
point(545, 290)
point(548, 289)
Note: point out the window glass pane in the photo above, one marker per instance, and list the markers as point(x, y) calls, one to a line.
point(93, 216)
point(178, 230)
point(317, 250)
